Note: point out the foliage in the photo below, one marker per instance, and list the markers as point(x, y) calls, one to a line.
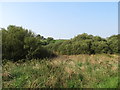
point(86, 44)
point(113, 44)
point(75, 71)
point(19, 43)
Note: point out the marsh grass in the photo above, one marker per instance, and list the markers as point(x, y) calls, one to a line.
point(74, 71)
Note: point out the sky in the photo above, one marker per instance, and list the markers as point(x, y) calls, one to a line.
point(62, 20)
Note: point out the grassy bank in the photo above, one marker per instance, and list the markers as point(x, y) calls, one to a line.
point(74, 71)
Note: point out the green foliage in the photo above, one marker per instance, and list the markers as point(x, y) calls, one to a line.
point(63, 49)
point(55, 46)
point(113, 44)
point(19, 43)
point(49, 39)
point(75, 71)
point(95, 71)
point(12, 42)
point(40, 37)
point(83, 36)
point(100, 47)
point(86, 44)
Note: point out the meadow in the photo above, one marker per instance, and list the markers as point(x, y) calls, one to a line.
point(63, 71)
point(59, 45)
point(30, 60)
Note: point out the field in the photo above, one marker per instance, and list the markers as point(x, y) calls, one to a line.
point(64, 71)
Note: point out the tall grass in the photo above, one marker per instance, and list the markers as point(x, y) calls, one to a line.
point(74, 71)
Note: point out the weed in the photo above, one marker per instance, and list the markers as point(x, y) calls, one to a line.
point(75, 71)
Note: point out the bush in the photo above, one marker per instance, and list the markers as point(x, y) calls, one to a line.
point(86, 44)
point(113, 44)
point(19, 43)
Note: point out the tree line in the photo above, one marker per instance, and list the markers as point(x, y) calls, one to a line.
point(87, 44)
point(19, 43)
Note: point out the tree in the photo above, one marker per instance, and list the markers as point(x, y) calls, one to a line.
point(50, 39)
point(100, 47)
point(113, 44)
point(19, 43)
point(13, 42)
point(40, 37)
point(83, 36)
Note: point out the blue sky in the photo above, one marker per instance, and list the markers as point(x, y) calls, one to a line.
point(62, 20)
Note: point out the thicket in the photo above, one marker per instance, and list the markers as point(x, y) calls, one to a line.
point(19, 43)
point(86, 44)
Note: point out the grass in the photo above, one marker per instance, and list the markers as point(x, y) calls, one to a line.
point(74, 71)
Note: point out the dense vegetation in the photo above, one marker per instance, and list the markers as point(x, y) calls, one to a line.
point(85, 61)
point(86, 44)
point(19, 43)
point(74, 71)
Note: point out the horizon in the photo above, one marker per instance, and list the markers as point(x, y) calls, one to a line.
point(62, 20)
point(60, 38)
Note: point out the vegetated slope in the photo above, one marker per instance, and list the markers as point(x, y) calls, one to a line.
point(29, 62)
point(86, 44)
point(19, 43)
point(74, 71)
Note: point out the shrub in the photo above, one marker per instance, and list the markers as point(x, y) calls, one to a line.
point(19, 43)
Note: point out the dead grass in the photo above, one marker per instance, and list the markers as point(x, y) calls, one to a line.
point(81, 71)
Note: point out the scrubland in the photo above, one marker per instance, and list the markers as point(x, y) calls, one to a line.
point(64, 71)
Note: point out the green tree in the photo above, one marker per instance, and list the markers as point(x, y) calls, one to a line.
point(113, 44)
point(19, 43)
point(100, 47)
point(50, 40)
point(12, 42)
